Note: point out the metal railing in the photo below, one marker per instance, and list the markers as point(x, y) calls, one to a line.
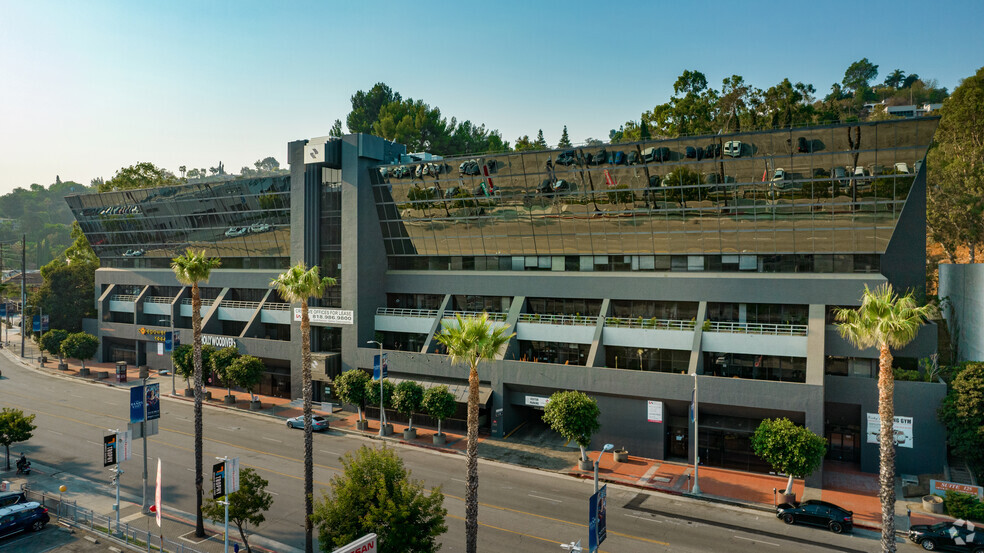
point(501, 317)
point(158, 299)
point(572, 320)
point(123, 297)
point(276, 306)
point(240, 304)
point(400, 312)
point(758, 328)
point(652, 323)
point(71, 513)
point(205, 301)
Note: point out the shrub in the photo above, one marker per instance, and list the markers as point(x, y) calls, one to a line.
point(965, 506)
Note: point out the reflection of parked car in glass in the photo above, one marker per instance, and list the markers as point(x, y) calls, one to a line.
point(712, 151)
point(451, 192)
point(561, 186)
point(567, 157)
point(651, 155)
point(469, 167)
point(618, 158)
point(236, 231)
point(259, 227)
point(839, 174)
point(902, 168)
point(632, 158)
point(694, 153)
point(598, 158)
point(960, 535)
point(803, 145)
point(732, 148)
point(133, 253)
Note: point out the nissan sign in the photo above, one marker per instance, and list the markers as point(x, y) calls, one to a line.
point(365, 544)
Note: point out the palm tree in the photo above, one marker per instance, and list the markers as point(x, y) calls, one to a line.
point(297, 284)
point(885, 321)
point(470, 340)
point(190, 269)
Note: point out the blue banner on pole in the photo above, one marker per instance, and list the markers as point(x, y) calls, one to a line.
point(153, 401)
point(375, 367)
point(36, 323)
point(153, 398)
point(3, 310)
point(597, 519)
point(168, 341)
point(136, 403)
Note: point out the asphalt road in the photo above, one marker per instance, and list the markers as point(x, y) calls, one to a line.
point(521, 509)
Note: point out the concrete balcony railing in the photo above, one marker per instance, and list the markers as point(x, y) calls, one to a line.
point(414, 321)
point(653, 323)
point(565, 320)
point(758, 328)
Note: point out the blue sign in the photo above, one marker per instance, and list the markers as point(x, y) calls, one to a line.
point(136, 404)
point(3, 310)
point(375, 367)
point(168, 341)
point(40, 324)
point(153, 402)
point(597, 520)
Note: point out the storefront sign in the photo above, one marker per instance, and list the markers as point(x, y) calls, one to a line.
point(365, 544)
point(940, 487)
point(654, 411)
point(219, 341)
point(155, 335)
point(327, 316)
point(902, 426)
point(537, 401)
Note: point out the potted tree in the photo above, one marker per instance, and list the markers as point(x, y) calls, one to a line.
point(246, 372)
point(574, 416)
point(220, 362)
point(621, 455)
point(350, 387)
point(81, 346)
point(789, 449)
point(439, 403)
point(372, 398)
point(51, 342)
point(407, 399)
point(181, 356)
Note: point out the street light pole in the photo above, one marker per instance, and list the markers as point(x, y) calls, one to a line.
point(225, 501)
point(607, 447)
point(696, 488)
point(382, 412)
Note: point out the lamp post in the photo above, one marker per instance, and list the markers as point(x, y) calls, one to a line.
point(607, 447)
point(382, 412)
point(696, 489)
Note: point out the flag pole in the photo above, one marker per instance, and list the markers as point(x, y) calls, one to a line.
point(696, 488)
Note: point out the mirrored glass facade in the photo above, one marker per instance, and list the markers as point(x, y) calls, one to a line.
point(835, 190)
point(244, 222)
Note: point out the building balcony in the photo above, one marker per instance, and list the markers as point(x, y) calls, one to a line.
point(276, 313)
point(571, 329)
point(157, 305)
point(237, 310)
point(416, 321)
point(755, 338)
point(185, 309)
point(125, 303)
point(647, 333)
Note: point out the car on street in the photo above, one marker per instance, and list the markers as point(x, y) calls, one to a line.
point(318, 423)
point(10, 498)
point(236, 231)
point(259, 227)
point(22, 517)
point(817, 513)
point(959, 535)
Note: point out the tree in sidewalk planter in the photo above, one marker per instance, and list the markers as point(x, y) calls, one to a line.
point(299, 284)
point(15, 427)
point(220, 362)
point(246, 505)
point(81, 346)
point(471, 340)
point(408, 398)
point(962, 413)
point(247, 372)
point(51, 342)
point(190, 269)
point(439, 403)
point(184, 361)
point(350, 387)
point(372, 394)
point(789, 449)
point(574, 416)
point(374, 493)
point(884, 320)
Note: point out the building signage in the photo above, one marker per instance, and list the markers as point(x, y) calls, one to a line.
point(375, 367)
point(327, 316)
point(537, 401)
point(365, 544)
point(902, 426)
point(940, 487)
point(218, 480)
point(654, 412)
point(168, 341)
point(109, 450)
point(155, 335)
point(219, 341)
point(153, 398)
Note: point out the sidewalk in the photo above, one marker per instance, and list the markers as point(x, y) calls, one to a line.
point(843, 484)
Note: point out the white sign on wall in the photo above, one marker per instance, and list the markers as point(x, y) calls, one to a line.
point(219, 341)
point(537, 401)
point(654, 412)
point(902, 426)
point(327, 316)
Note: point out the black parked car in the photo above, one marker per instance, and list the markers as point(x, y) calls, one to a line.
point(818, 513)
point(948, 536)
point(567, 157)
point(803, 145)
point(694, 153)
point(599, 158)
point(712, 151)
point(21, 517)
point(633, 158)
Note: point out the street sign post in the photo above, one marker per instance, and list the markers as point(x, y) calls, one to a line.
point(597, 519)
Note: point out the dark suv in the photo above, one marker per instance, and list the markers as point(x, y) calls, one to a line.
point(21, 517)
point(818, 513)
point(10, 498)
point(948, 536)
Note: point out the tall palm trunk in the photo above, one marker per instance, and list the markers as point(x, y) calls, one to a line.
point(308, 430)
point(886, 446)
point(196, 332)
point(471, 494)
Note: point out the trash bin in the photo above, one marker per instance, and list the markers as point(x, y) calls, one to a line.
point(121, 371)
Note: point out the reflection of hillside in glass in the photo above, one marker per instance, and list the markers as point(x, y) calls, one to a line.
point(834, 189)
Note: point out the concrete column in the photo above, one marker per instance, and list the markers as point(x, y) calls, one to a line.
point(816, 334)
point(512, 348)
point(430, 343)
point(597, 347)
point(696, 359)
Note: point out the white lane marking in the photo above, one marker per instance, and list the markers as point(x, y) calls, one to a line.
point(93, 443)
point(329, 452)
point(460, 480)
point(229, 428)
point(272, 493)
point(545, 498)
point(644, 518)
point(189, 469)
point(271, 439)
point(756, 540)
point(77, 395)
point(55, 432)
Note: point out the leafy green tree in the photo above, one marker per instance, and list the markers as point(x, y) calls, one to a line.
point(788, 104)
point(246, 505)
point(574, 416)
point(374, 494)
point(15, 427)
point(299, 284)
point(414, 123)
point(220, 363)
point(524, 144)
point(372, 394)
point(141, 175)
point(336, 128)
point(367, 105)
point(858, 75)
point(565, 139)
point(65, 294)
point(184, 360)
point(247, 372)
point(351, 387)
point(884, 320)
point(439, 403)
point(81, 346)
point(540, 142)
point(788, 448)
point(52, 340)
point(80, 251)
point(895, 79)
point(190, 269)
point(408, 398)
point(962, 413)
point(471, 340)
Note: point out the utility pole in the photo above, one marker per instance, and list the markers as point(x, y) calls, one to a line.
point(143, 431)
point(117, 473)
point(23, 287)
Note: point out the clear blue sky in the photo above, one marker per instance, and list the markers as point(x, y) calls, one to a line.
point(89, 87)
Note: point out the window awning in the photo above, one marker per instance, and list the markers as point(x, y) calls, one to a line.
point(460, 391)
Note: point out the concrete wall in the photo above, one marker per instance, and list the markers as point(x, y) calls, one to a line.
point(963, 286)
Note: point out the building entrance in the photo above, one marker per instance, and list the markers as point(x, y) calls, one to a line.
point(844, 443)
point(678, 439)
